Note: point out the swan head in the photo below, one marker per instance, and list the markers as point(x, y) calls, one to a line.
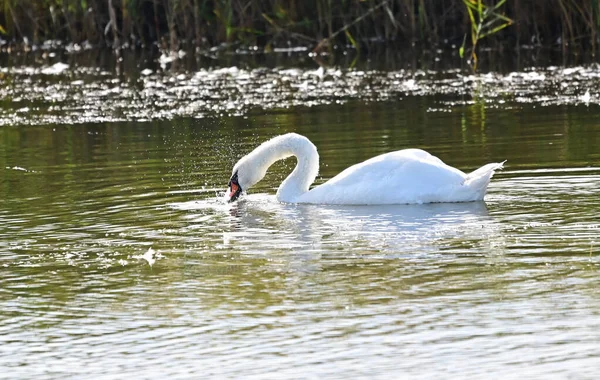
point(251, 168)
point(233, 188)
point(246, 173)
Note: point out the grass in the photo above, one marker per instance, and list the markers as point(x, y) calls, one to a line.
point(189, 24)
point(485, 21)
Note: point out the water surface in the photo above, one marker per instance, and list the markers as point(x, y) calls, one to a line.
point(117, 257)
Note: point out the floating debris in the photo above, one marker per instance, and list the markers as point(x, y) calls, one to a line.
point(586, 97)
point(17, 168)
point(150, 256)
point(56, 69)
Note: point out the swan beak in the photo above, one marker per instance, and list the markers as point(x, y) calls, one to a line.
point(234, 192)
point(234, 189)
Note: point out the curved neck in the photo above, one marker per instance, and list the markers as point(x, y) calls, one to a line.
point(307, 167)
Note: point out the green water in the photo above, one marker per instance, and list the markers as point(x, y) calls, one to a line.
point(259, 289)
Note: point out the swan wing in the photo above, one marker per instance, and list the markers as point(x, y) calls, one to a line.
point(406, 176)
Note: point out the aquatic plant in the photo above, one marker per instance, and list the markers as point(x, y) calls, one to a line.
point(485, 21)
point(201, 24)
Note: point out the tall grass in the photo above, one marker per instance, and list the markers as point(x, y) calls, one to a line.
point(485, 21)
point(175, 24)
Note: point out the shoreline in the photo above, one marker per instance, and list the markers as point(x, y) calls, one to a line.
point(380, 57)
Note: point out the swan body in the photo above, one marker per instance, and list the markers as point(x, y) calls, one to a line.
point(406, 176)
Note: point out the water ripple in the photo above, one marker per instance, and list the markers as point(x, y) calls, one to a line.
point(100, 97)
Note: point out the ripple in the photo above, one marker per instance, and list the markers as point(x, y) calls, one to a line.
point(259, 289)
point(97, 96)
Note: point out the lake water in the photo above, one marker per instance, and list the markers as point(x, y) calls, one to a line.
point(118, 259)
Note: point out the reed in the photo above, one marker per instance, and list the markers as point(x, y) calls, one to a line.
point(188, 24)
point(485, 21)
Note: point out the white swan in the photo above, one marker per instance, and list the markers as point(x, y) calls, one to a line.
point(402, 177)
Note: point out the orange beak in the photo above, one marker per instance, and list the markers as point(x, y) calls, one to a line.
point(233, 190)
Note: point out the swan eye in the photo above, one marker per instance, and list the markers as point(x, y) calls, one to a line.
point(234, 188)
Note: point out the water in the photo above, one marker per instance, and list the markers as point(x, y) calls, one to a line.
point(118, 259)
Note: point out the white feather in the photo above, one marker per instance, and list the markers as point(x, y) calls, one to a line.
point(402, 177)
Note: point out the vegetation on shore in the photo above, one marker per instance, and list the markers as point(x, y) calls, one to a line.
point(318, 24)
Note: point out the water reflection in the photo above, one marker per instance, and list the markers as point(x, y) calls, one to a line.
point(258, 224)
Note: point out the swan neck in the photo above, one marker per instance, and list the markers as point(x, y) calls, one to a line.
point(307, 166)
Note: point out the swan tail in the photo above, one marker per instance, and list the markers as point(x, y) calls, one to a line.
point(479, 179)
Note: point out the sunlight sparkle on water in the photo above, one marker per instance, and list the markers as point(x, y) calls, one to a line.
point(235, 91)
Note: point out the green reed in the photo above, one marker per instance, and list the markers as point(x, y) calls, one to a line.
point(186, 24)
point(485, 21)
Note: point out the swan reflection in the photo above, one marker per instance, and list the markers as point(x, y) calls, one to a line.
point(259, 224)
